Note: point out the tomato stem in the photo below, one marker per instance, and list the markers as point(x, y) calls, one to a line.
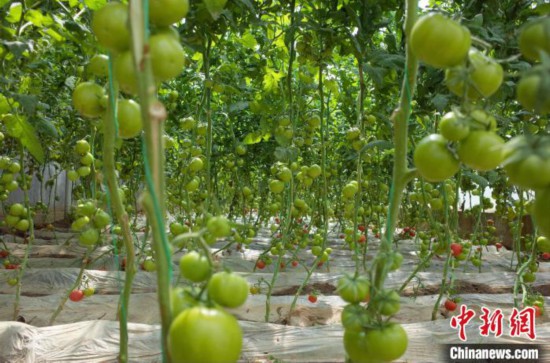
point(401, 173)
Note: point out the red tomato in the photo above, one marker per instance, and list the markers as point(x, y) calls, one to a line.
point(456, 249)
point(260, 264)
point(450, 305)
point(76, 295)
point(312, 299)
point(294, 263)
point(362, 239)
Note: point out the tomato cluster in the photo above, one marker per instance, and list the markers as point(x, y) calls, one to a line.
point(89, 221)
point(201, 329)
point(8, 180)
point(18, 217)
point(79, 294)
point(365, 339)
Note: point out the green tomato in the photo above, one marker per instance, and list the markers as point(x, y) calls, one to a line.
point(532, 92)
point(17, 209)
point(376, 345)
point(196, 164)
point(167, 56)
point(110, 26)
point(129, 119)
point(89, 237)
point(389, 302)
point(201, 334)
point(167, 12)
point(82, 147)
point(86, 99)
point(354, 317)
point(483, 77)
point(543, 244)
point(228, 289)
point(353, 290)
point(439, 41)
point(87, 159)
point(481, 150)
point(194, 266)
point(80, 223)
point(125, 73)
point(433, 160)
point(218, 227)
point(101, 219)
point(314, 171)
point(453, 127)
point(534, 38)
point(98, 66)
point(276, 186)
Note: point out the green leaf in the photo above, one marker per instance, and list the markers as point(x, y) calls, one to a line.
point(215, 7)
point(380, 144)
point(252, 138)
point(28, 102)
point(15, 12)
point(440, 102)
point(37, 19)
point(271, 79)
point(248, 41)
point(238, 106)
point(95, 4)
point(17, 48)
point(46, 126)
point(4, 105)
point(286, 154)
point(479, 180)
point(55, 35)
point(19, 128)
